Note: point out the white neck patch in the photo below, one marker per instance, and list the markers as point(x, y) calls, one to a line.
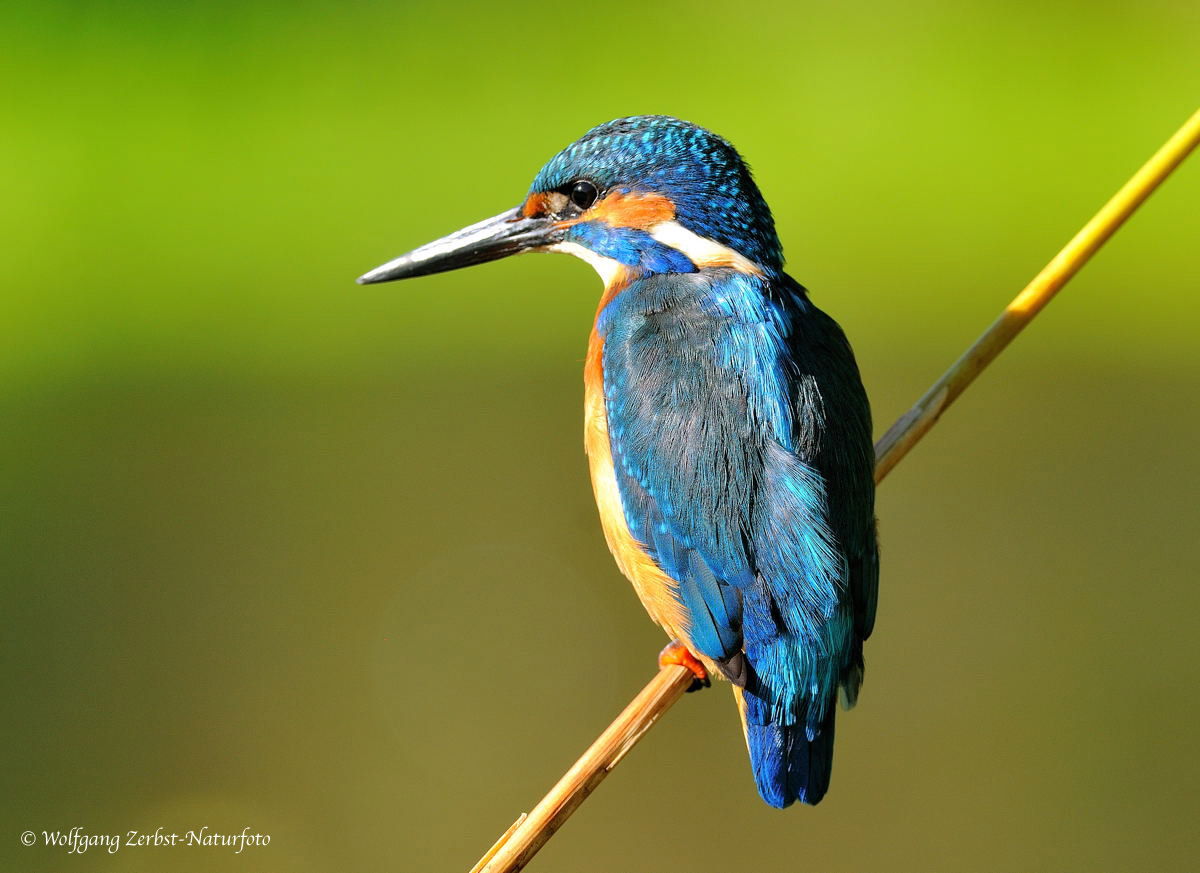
point(700, 251)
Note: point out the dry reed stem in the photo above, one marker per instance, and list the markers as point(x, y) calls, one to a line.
point(530, 832)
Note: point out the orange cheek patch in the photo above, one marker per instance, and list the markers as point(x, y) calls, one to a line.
point(636, 210)
point(632, 210)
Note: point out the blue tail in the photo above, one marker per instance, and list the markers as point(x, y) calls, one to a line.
point(788, 766)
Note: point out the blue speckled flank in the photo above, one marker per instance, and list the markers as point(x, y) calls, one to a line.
point(714, 194)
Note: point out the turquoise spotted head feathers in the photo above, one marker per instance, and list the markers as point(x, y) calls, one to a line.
point(705, 179)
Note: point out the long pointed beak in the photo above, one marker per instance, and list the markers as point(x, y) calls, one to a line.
point(508, 233)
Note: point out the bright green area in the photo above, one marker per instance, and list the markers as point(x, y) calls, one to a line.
point(284, 552)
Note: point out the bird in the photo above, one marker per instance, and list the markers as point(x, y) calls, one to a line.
point(727, 429)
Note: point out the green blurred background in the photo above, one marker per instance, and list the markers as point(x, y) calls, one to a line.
point(282, 552)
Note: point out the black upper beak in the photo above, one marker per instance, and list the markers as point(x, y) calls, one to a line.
point(508, 233)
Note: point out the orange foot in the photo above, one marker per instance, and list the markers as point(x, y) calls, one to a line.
point(676, 653)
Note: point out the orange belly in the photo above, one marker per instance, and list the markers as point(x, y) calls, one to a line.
point(656, 590)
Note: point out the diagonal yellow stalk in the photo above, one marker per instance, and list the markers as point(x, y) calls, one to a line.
point(913, 425)
point(530, 832)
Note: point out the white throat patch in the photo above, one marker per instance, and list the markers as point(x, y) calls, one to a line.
point(608, 268)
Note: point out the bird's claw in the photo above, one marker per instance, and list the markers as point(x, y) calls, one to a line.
point(676, 653)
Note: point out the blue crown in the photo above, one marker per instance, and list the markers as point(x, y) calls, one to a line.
point(703, 175)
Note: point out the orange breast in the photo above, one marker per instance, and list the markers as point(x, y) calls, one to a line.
point(657, 590)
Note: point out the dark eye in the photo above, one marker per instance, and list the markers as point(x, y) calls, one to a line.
point(583, 194)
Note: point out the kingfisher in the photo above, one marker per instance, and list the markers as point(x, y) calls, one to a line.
point(727, 429)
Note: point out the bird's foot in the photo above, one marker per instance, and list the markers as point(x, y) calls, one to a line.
point(677, 653)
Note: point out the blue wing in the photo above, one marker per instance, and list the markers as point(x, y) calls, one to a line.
point(720, 400)
point(832, 428)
